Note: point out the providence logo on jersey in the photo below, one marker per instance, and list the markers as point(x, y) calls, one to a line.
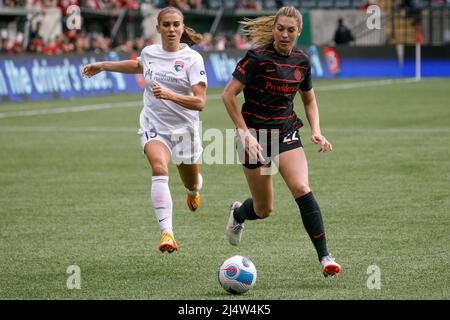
point(179, 65)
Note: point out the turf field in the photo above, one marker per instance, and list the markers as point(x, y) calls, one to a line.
point(74, 190)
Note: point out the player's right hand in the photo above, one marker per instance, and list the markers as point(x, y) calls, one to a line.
point(319, 139)
point(91, 69)
point(251, 145)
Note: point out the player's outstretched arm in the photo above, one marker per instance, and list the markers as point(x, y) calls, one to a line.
point(125, 66)
point(312, 114)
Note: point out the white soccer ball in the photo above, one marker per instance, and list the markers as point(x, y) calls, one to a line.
point(237, 274)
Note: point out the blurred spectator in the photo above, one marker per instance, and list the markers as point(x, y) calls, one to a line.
point(126, 47)
point(139, 44)
point(8, 3)
point(77, 41)
point(343, 35)
point(70, 34)
point(249, 5)
point(109, 5)
point(33, 4)
point(130, 4)
point(220, 43)
point(49, 3)
point(18, 44)
point(53, 47)
point(81, 43)
point(67, 46)
point(105, 44)
point(36, 45)
point(196, 4)
point(17, 47)
point(95, 4)
point(96, 44)
point(183, 5)
point(6, 47)
point(206, 44)
point(36, 32)
point(239, 42)
point(64, 4)
point(150, 40)
point(366, 4)
point(12, 3)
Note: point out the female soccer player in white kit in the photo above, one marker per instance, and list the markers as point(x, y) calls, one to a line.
point(175, 92)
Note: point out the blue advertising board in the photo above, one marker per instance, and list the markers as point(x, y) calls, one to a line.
point(31, 77)
point(220, 65)
point(44, 78)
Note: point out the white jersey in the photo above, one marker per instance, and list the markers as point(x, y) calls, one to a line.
point(176, 71)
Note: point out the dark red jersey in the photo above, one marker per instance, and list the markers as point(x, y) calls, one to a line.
point(271, 81)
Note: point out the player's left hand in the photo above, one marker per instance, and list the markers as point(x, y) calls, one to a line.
point(159, 92)
point(319, 139)
point(91, 69)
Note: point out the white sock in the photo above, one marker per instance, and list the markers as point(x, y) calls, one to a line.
point(162, 202)
point(200, 182)
point(198, 187)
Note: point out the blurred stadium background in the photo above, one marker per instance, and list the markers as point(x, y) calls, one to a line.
point(74, 185)
point(119, 29)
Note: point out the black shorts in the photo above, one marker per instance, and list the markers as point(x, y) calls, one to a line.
point(272, 145)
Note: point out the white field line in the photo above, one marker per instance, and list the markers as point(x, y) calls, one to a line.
point(43, 129)
point(389, 130)
point(69, 109)
point(365, 84)
point(57, 110)
point(138, 103)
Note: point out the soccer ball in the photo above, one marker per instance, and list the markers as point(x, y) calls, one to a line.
point(237, 274)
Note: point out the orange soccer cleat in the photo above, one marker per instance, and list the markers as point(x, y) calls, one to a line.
point(168, 243)
point(193, 201)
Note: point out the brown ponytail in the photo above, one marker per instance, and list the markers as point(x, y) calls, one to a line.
point(190, 37)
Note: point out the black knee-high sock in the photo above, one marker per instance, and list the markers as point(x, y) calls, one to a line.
point(312, 220)
point(245, 211)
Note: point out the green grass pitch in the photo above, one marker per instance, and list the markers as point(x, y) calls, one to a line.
point(74, 190)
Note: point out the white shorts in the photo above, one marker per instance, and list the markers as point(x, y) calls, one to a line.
point(185, 147)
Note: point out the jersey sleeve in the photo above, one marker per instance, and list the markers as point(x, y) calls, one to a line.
point(197, 72)
point(141, 58)
point(246, 68)
point(306, 84)
point(139, 61)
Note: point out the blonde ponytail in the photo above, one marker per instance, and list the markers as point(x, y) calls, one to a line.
point(259, 30)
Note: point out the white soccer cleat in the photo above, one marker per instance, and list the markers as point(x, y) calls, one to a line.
point(329, 266)
point(234, 229)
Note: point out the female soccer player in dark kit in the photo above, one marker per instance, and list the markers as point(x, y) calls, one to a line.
point(267, 127)
point(175, 92)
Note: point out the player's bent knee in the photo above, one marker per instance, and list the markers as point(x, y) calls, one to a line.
point(300, 190)
point(263, 212)
point(159, 170)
